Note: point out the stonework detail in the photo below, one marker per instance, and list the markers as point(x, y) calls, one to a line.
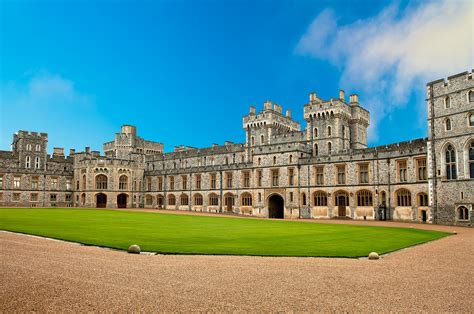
point(281, 171)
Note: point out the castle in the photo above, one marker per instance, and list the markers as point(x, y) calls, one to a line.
point(281, 171)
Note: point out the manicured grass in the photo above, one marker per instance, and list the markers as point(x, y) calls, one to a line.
point(189, 234)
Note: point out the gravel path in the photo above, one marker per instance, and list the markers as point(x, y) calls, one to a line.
point(40, 274)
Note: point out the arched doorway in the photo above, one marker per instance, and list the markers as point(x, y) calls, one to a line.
point(101, 200)
point(122, 200)
point(276, 207)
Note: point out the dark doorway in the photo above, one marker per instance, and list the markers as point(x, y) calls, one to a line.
point(276, 207)
point(101, 200)
point(341, 208)
point(122, 201)
point(230, 203)
point(424, 216)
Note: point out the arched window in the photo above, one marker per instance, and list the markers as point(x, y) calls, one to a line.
point(28, 146)
point(246, 199)
point(84, 182)
point(422, 199)
point(471, 119)
point(316, 150)
point(364, 198)
point(450, 157)
point(329, 148)
point(463, 213)
point(448, 125)
point(315, 132)
point(471, 96)
point(37, 162)
point(403, 197)
point(329, 131)
point(291, 159)
point(253, 140)
point(28, 162)
point(171, 200)
point(123, 182)
point(213, 199)
point(320, 198)
point(259, 161)
point(148, 200)
point(471, 160)
point(198, 200)
point(303, 199)
point(447, 102)
point(274, 160)
point(101, 182)
point(261, 139)
point(184, 200)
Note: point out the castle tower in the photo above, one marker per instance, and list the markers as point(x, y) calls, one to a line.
point(31, 149)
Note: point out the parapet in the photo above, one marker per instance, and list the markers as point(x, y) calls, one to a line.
point(452, 83)
point(58, 152)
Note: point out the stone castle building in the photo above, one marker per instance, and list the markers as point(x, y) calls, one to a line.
point(281, 171)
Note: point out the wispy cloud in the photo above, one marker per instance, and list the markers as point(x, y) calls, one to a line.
point(391, 55)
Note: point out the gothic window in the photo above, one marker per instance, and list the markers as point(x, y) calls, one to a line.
point(471, 119)
point(123, 182)
point(198, 181)
point(184, 200)
point(198, 200)
point(341, 174)
point(320, 198)
point(447, 102)
point(450, 158)
point(171, 200)
point(471, 160)
point(213, 181)
point(229, 180)
point(37, 162)
point(364, 198)
point(184, 182)
point(421, 173)
point(448, 125)
point(422, 199)
point(402, 171)
point(246, 199)
point(364, 173)
point(275, 177)
point(28, 162)
point(16, 182)
point(463, 213)
point(101, 182)
point(319, 175)
point(246, 179)
point(213, 200)
point(148, 200)
point(403, 197)
point(34, 183)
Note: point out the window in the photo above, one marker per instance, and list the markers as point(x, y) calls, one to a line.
point(16, 197)
point(34, 197)
point(319, 175)
point(171, 200)
point(53, 197)
point(259, 160)
point(364, 198)
point(261, 139)
point(16, 182)
point(471, 96)
point(1, 181)
point(38, 148)
point(213, 200)
point(422, 199)
point(123, 182)
point(34, 183)
point(450, 157)
point(246, 179)
point(253, 141)
point(447, 102)
point(68, 185)
point(28, 146)
point(471, 119)
point(198, 181)
point(160, 183)
point(471, 160)
point(28, 162)
point(101, 182)
point(54, 183)
point(246, 199)
point(421, 173)
point(228, 180)
point(303, 199)
point(259, 178)
point(291, 176)
point(37, 162)
point(364, 173)
point(315, 132)
point(68, 197)
point(291, 196)
point(448, 125)
point(329, 131)
point(320, 198)
point(184, 182)
point(84, 181)
point(148, 200)
point(403, 197)
point(402, 170)
point(463, 213)
point(148, 184)
point(291, 159)
point(329, 148)
point(275, 177)
point(198, 200)
point(341, 174)
point(171, 181)
point(213, 181)
point(274, 160)
point(184, 200)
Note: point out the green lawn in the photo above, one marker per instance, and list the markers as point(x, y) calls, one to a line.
point(189, 234)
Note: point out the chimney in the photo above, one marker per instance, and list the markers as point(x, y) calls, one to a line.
point(72, 152)
point(267, 105)
point(288, 113)
point(312, 96)
point(88, 150)
point(252, 110)
point(342, 95)
point(58, 151)
point(354, 99)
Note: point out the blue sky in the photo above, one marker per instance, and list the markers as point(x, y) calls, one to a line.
point(185, 72)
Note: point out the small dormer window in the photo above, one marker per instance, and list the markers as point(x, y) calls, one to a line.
point(447, 102)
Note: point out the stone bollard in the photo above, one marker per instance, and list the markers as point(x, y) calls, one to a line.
point(373, 255)
point(134, 249)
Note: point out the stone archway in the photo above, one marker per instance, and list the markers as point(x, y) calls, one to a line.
point(122, 200)
point(276, 207)
point(101, 200)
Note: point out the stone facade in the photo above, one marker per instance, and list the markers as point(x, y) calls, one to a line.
point(281, 171)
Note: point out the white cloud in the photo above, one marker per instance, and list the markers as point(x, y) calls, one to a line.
point(388, 56)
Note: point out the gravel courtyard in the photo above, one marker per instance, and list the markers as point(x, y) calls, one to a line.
point(47, 275)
